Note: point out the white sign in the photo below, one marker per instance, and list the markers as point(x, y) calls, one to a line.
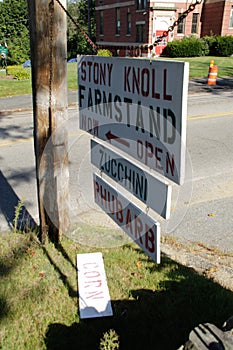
point(138, 105)
point(94, 298)
point(137, 224)
point(154, 193)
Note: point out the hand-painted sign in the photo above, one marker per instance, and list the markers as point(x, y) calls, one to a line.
point(133, 221)
point(139, 106)
point(151, 191)
point(94, 299)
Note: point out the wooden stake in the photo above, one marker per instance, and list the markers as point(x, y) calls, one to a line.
point(49, 86)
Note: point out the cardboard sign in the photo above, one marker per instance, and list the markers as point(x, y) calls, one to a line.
point(94, 298)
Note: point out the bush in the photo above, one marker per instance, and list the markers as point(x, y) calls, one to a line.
point(19, 72)
point(187, 47)
point(222, 46)
point(209, 41)
point(104, 52)
point(205, 47)
point(193, 47)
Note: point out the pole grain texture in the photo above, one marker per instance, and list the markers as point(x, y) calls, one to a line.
point(50, 113)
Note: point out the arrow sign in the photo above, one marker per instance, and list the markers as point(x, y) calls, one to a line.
point(110, 136)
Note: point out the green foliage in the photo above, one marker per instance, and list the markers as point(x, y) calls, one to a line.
point(19, 72)
point(104, 52)
point(209, 40)
point(76, 43)
point(205, 47)
point(187, 47)
point(194, 47)
point(222, 46)
point(110, 341)
point(14, 30)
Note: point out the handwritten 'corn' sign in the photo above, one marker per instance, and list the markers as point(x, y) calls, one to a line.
point(94, 298)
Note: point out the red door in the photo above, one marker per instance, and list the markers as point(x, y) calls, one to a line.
point(159, 48)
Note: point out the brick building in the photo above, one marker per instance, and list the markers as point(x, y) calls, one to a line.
point(124, 26)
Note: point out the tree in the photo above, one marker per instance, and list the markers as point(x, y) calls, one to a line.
point(76, 43)
point(14, 29)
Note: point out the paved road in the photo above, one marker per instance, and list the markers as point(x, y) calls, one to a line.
point(202, 209)
point(209, 216)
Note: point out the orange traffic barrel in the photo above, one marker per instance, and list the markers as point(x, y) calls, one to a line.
point(212, 76)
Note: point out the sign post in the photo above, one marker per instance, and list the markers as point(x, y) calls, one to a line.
point(49, 83)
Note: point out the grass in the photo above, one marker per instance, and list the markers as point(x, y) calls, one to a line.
point(154, 306)
point(12, 87)
point(199, 67)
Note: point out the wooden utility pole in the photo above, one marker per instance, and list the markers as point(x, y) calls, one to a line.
point(49, 85)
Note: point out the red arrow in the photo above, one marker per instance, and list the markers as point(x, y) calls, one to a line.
point(110, 136)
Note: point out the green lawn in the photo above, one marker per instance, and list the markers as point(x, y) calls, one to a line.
point(199, 67)
point(10, 87)
point(155, 307)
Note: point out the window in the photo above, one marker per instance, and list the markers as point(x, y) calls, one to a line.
point(128, 23)
point(195, 23)
point(101, 23)
point(231, 17)
point(118, 22)
point(141, 4)
point(180, 28)
point(140, 31)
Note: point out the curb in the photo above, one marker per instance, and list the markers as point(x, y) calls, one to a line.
point(27, 109)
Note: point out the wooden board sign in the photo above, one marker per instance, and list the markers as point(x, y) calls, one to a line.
point(140, 227)
point(150, 190)
point(139, 106)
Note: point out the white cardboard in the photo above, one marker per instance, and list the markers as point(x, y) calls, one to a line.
point(94, 298)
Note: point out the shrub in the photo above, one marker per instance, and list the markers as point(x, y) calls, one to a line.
point(104, 52)
point(187, 47)
point(208, 45)
point(19, 72)
point(222, 46)
point(205, 47)
point(209, 41)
